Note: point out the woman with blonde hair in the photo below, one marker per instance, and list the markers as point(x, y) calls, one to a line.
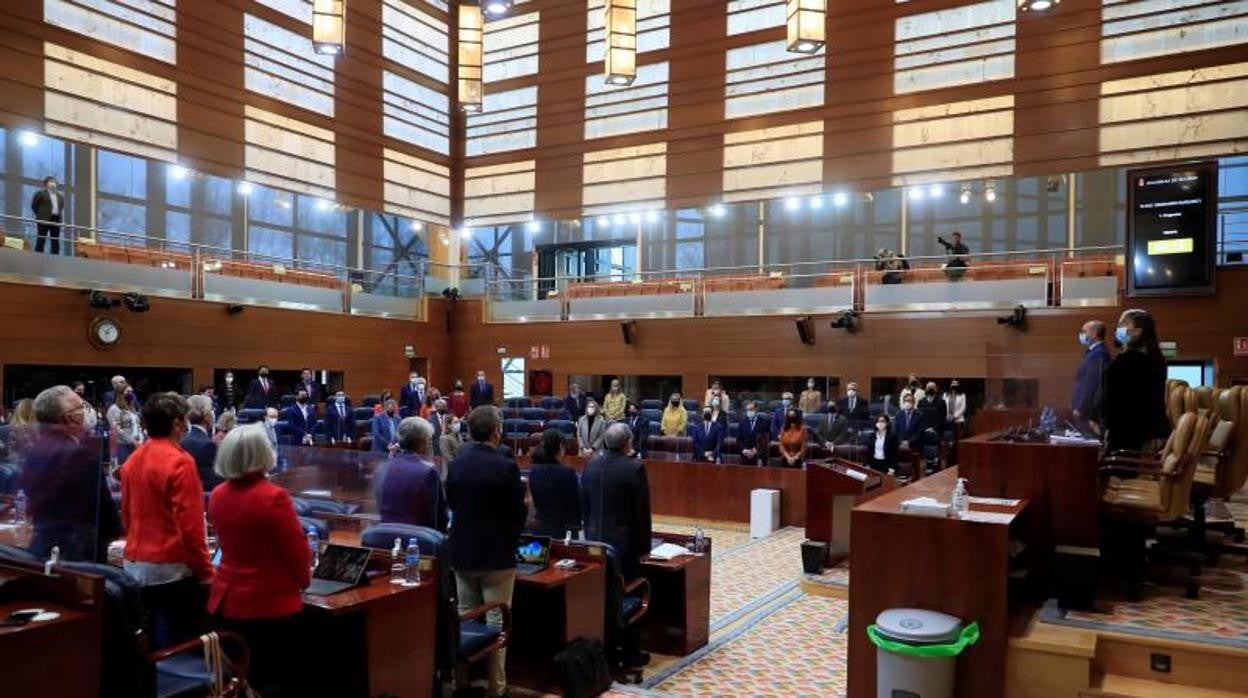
point(226, 422)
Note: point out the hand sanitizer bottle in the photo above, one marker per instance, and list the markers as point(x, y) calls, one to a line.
point(959, 504)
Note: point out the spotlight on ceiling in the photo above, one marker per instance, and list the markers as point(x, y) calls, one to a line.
point(792, 203)
point(1037, 5)
point(718, 210)
point(245, 188)
point(136, 302)
point(619, 219)
point(965, 196)
point(496, 8)
point(840, 199)
point(465, 234)
point(534, 226)
point(936, 191)
point(816, 203)
point(178, 173)
point(990, 193)
point(634, 217)
point(652, 216)
point(99, 301)
point(916, 194)
point(28, 139)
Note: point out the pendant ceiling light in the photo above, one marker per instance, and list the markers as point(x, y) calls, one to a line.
point(471, 27)
point(329, 26)
point(1037, 5)
point(806, 31)
point(620, 64)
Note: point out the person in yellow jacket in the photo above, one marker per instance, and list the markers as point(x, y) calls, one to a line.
point(675, 418)
point(614, 403)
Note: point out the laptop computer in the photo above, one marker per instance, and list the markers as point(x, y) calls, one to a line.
point(340, 568)
point(532, 555)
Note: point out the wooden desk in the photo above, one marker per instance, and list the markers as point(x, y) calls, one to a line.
point(830, 495)
point(58, 657)
point(549, 610)
point(378, 639)
point(1059, 481)
point(952, 566)
point(679, 619)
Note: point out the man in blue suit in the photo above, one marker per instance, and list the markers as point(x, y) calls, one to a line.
point(412, 395)
point(909, 423)
point(339, 427)
point(753, 435)
point(198, 440)
point(482, 392)
point(1089, 379)
point(301, 418)
point(708, 438)
point(574, 403)
point(777, 415)
point(385, 428)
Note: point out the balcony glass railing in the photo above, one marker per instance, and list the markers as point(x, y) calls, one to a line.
point(111, 260)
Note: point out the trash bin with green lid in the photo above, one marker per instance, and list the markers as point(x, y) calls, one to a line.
point(917, 652)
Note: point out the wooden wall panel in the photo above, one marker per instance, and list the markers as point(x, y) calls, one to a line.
point(964, 344)
point(45, 325)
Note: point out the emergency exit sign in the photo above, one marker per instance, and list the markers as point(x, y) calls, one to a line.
point(1241, 346)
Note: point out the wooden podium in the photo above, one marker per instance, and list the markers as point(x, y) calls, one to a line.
point(833, 489)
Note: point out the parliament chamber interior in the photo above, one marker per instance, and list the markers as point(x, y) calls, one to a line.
point(415, 348)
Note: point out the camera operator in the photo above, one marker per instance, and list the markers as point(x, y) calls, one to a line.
point(892, 264)
point(955, 268)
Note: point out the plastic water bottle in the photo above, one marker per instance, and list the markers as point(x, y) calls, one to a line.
point(699, 540)
point(397, 568)
point(958, 503)
point(314, 547)
point(1048, 419)
point(19, 508)
point(412, 566)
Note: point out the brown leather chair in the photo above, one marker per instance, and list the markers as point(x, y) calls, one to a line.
point(1138, 492)
point(1222, 470)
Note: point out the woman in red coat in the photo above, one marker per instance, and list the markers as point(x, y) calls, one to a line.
point(265, 561)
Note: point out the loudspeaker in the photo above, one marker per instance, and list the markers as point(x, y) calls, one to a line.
point(814, 554)
point(627, 329)
point(806, 330)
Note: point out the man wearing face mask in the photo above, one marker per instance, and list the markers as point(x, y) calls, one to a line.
point(716, 391)
point(270, 427)
point(412, 395)
point(48, 205)
point(708, 438)
point(833, 429)
point(385, 428)
point(640, 426)
point(307, 383)
point(913, 388)
point(574, 403)
point(909, 424)
point(301, 420)
point(229, 395)
point(1090, 378)
point(853, 405)
point(808, 402)
point(589, 429)
point(482, 392)
point(753, 434)
point(675, 421)
point(90, 418)
point(932, 409)
point(614, 403)
point(339, 425)
point(777, 415)
point(68, 500)
point(262, 393)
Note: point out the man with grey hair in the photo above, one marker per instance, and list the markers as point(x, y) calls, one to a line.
point(69, 504)
point(408, 488)
point(119, 386)
point(615, 502)
point(1090, 378)
point(198, 440)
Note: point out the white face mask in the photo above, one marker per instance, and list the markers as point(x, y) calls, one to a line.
point(852, 393)
point(810, 385)
point(591, 411)
point(89, 420)
point(907, 406)
point(229, 379)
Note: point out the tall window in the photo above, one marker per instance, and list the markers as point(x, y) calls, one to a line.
point(305, 228)
point(513, 378)
point(121, 203)
point(395, 249)
point(199, 209)
point(25, 159)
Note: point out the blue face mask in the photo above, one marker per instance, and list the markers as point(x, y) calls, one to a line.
point(786, 402)
point(1121, 335)
point(1084, 339)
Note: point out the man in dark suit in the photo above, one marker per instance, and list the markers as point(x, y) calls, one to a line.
point(853, 406)
point(486, 496)
point(198, 440)
point(48, 205)
point(385, 428)
point(615, 502)
point(1090, 378)
point(909, 423)
point(300, 420)
point(932, 409)
point(639, 425)
point(777, 415)
point(339, 426)
point(307, 382)
point(574, 403)
point(412, 395)
point(708, 438)
point(262, 393)
point(753, 435)
point(482, 392)
point(833, 430)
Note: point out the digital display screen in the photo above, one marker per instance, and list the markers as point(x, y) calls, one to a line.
point(1170, 229)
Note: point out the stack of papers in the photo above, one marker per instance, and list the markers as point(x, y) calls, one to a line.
point(667, 551)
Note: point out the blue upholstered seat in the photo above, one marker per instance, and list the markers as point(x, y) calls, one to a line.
point(475, 636)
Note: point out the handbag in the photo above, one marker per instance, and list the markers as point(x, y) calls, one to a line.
point(583, 668)
point(215, 661)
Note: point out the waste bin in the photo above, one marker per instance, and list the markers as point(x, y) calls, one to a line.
point(917, 652)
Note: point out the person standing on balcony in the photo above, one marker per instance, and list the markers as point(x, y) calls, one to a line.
point(955, 268)
point(48, 205)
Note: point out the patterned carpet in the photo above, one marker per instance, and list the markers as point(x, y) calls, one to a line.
point(833, 576)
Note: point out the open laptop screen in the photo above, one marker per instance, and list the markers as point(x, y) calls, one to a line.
point(340, 563)
point(533, 550)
